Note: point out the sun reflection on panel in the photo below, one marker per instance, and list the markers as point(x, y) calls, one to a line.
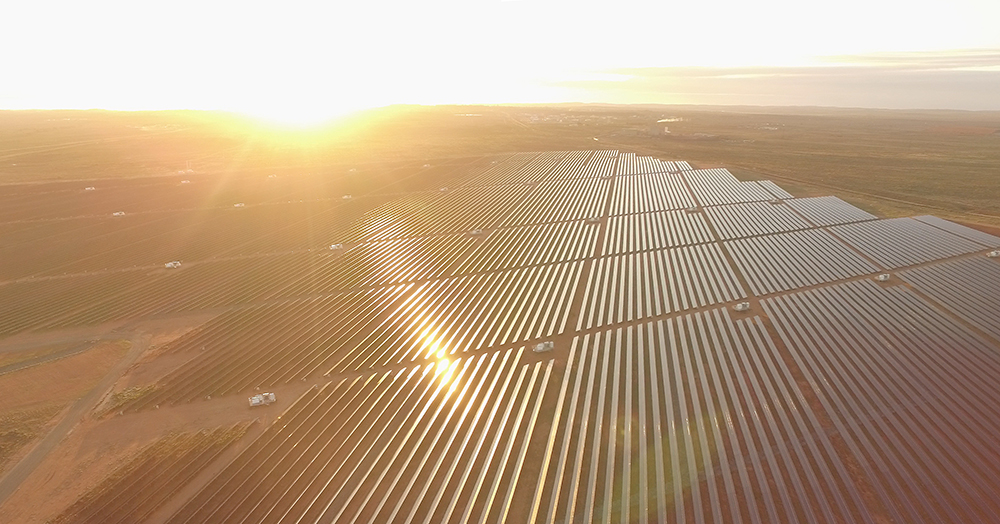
point(444, 371)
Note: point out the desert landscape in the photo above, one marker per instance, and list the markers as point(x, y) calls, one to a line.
point(157, 269)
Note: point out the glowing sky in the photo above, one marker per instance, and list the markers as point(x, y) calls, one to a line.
point(309, 60)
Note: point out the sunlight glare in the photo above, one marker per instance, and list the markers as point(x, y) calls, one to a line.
point(444, 370)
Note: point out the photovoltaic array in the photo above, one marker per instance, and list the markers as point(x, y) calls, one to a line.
point(720, 352)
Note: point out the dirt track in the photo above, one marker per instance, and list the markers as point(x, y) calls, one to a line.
point(13, 479)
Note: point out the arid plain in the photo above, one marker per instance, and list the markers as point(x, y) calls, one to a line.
point(94, 327)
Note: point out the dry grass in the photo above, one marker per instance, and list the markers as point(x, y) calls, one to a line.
point(18, 428)
point(60, 381)
point(945, 162)
point(32, 396)
point(17, 357)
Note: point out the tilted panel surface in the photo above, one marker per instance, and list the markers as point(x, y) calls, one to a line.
point(713, 187)
point(502, 171)
point(632, 164)
point(29, 304)
point(913, 395)
point(970, 288)
point(388, 220)
point(453, 315)
point(530, 245)
point(461, 209)
point(692, 419)
point(560, 200)
point(898, 242)
point(774, 189)
point(624, 288)
point(646, 193)
point(447, 444)
point(538, 168)
point(270, 345)
point(136, 489)
point(753, 218)
point(601, 164)
point(571, 166)
point(977, 236)
point(828, 210)
point(645, 231)
point(399, 260)
point(798, 259)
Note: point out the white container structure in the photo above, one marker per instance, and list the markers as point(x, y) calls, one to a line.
point(262, 399)
point(884, 277)
point(742, 306)
point(544, 347)
point(174, 264)
point(239, 204)
point(118, 214)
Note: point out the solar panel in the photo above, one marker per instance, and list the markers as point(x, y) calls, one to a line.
point(581, 336)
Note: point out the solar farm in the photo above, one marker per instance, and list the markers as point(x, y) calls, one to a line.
point(563, 336)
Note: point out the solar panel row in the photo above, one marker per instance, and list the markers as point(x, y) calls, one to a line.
point(911, 392)
point(643, 194)
point(458, 314)
point(847, 402)
point(645, 231)
point(774, 189)
point(798, 259)
point(753, 218)
point(692, 419)
point(449, 446)
point(969, 288)
point(713, 187)
point(898, 242)
point(559, 200)
point(628, 287)
point(631, 164)
point(963, 231)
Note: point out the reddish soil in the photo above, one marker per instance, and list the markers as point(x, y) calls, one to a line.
point(964, 130)
point(60, 381)
point(95, 448)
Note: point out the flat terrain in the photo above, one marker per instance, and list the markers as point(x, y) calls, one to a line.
point(897, 162)
point(410, 257)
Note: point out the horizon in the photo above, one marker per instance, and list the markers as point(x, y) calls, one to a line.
point(309, 63)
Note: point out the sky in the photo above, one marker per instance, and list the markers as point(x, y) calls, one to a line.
point(307, 61)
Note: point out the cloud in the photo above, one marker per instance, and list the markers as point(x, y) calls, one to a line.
point(967, 80)
point(965, 59)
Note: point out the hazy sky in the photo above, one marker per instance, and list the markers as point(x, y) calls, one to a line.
point(309, 60)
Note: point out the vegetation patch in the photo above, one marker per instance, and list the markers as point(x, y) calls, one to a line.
point(126, 396)
point(17, 357)
point(18, 428)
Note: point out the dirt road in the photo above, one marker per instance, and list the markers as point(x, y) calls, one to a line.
point(13, 479)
